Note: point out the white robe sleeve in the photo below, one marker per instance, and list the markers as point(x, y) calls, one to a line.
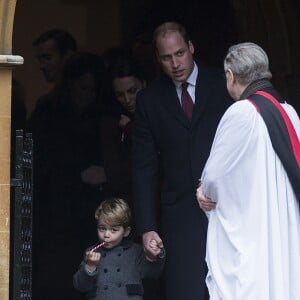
point(231, 145)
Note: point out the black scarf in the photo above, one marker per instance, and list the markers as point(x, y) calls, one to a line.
point(279, 135)
point(260, 85)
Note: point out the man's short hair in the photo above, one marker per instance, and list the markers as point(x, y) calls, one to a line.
point(64, 41)
point(168, 27)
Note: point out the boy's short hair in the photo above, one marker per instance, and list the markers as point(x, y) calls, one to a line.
point(115, 212)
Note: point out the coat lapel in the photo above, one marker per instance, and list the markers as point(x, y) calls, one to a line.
point(202, 94)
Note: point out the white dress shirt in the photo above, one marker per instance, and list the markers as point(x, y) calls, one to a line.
point(191, 80)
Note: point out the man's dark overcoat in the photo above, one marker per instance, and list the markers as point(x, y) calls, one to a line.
point(169, 153)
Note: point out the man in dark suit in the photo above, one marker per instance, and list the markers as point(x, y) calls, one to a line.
point(171, 142)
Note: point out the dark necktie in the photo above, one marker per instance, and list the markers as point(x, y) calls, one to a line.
point(186, 101)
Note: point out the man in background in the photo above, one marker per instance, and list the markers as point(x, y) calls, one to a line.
point(52, 49)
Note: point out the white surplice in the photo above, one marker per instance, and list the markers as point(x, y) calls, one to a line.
point(253, 240)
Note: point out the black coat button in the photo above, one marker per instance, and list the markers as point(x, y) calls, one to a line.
point(118, 270)
point(105, 270)
point(105, 287)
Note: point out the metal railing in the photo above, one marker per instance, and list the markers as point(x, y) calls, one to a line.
point(22, 212)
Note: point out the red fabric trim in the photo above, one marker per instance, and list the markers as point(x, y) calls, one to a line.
point(291, 130)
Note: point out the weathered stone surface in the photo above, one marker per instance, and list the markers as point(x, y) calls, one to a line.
point(7, 10)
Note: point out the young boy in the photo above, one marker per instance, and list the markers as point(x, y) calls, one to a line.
point(114, 269)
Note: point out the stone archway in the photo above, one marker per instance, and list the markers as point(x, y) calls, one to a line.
point(7, 63)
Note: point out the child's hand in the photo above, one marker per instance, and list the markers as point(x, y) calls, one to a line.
point(91, 260)
point(153, 245)
point(156, 250)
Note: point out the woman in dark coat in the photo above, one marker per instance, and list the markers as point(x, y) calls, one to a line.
point(127, 79)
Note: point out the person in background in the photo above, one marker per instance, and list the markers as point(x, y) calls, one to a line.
point(127, 80)
point(52, 48)
point(76, 154)
point(114, 269)
point(251, 187)
point(172, 136)
point(75, 177)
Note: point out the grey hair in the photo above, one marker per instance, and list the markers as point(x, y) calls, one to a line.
point(248, 62)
